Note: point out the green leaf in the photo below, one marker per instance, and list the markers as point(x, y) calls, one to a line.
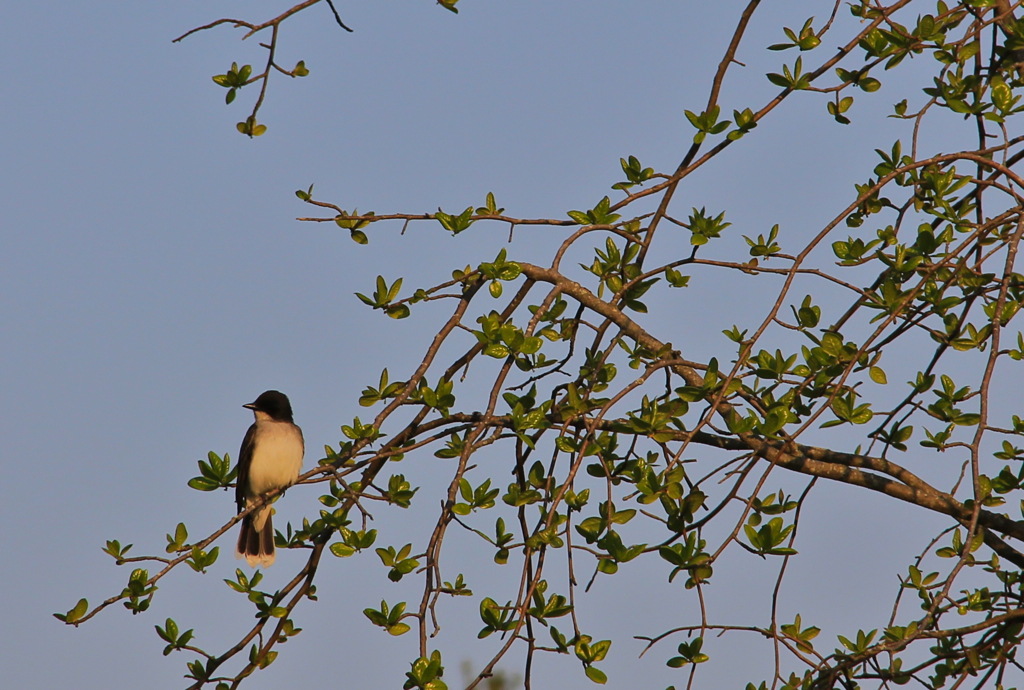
point(398, 629)
point(74, 614)
point(496, 350)
point(342, 550)
point(597, 675)
point(869, 84)
point(969, 51)
point(203, 484)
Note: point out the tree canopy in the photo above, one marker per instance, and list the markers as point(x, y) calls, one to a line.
point(581, 435)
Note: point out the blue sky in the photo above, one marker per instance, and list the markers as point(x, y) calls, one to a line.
point(155, 279)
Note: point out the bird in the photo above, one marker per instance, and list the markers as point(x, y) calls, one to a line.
point(270, 459)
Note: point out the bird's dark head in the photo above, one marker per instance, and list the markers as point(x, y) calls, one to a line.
point(274, 404)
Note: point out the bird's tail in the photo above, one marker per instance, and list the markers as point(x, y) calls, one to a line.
point(256, 546)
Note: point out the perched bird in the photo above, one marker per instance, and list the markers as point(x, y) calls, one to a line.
point(270, 458)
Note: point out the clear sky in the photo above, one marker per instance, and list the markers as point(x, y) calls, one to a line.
point(154, 279)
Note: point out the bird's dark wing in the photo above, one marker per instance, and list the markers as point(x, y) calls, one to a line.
point(244, 460)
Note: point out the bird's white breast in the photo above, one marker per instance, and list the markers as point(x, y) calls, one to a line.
point(277, 457)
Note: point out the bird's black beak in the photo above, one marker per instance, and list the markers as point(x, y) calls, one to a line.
point(250, 406)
